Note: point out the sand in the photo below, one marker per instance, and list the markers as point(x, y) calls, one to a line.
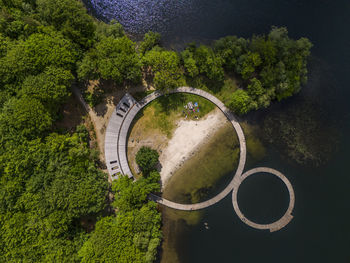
point(186, 140)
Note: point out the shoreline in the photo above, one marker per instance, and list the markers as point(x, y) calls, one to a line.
point(183, 144)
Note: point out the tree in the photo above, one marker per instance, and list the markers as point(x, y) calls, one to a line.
point(88, 68)
point(240, 102)
point(70, 18)
point(134, 234)
point(189, 63)
point(48, 187)
point(131, 236)
point(131, 195)
point(150, 40)
point(26, 117)
point(230, 48)
point(265, 48)
point(50, 87)
point(112, 29)
point(146, 159)
point(33, 55)
point(259, 96)
point(289, 71)
point(164, 68)
point(112, 59)
point(4, 45)
point(17, 19)
point(247, 64)
point(208, 63)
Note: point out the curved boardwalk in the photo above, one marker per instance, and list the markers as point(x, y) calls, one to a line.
point(122, 144)
point(285, 219)
point(117, 162)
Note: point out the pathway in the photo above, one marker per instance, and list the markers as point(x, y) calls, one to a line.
point(117, 163)
point(285, 219)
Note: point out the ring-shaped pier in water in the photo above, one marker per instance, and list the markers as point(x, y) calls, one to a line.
point(116, 148)
point(284, 220)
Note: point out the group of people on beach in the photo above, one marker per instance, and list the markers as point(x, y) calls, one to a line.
point(191, 108)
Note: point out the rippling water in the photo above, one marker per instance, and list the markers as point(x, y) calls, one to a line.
point(140, 16)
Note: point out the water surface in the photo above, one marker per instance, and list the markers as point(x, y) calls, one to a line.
point(320, 230)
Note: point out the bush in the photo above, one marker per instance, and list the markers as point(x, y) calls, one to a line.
point(240, 102)
point(146, 159)
point(150, 40)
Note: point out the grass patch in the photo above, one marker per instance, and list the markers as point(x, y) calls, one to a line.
point(166, 110)
point(153, 126)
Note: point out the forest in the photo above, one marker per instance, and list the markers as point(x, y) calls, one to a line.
point(56, 204)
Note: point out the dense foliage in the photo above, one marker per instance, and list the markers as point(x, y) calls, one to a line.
point(270, 67)
point(266, 68)
point(147, 159)
point(162, 67)
point(51, 189)
point(47, 188)
point(134, 234)
point(112, 58)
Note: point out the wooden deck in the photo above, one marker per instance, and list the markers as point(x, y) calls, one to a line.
point(115, 154)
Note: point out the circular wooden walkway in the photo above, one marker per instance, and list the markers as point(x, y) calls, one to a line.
point(284, 220)
point(116, 146)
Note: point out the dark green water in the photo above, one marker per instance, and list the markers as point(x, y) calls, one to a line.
point(320, 230)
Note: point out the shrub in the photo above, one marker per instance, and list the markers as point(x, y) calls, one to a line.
point(146, 159)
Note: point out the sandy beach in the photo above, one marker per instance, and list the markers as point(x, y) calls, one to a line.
point(186, 140)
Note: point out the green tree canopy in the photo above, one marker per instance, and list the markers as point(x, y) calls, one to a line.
point(230, 48)
point(208, 63)
point(260, 99)
point(190, 64)
point(147, 159)
point(26, 117)
point(32, 56)
point(113, 59)
point(50, 87)
point(240, 102)
point(248, 63)
point(164, 68)
point(17, 18)
point(130, 195)
point(70, 18)
point(113, 29)
point(265, 48)
point(150, 40)
point(47, 189)
point(131, 236)
point(134, 234)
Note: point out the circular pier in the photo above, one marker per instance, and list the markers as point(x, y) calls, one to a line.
point(284, 220)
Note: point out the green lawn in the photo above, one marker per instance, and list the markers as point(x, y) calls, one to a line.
point(169, 108)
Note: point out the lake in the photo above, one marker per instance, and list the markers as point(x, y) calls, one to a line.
point(320, 230)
